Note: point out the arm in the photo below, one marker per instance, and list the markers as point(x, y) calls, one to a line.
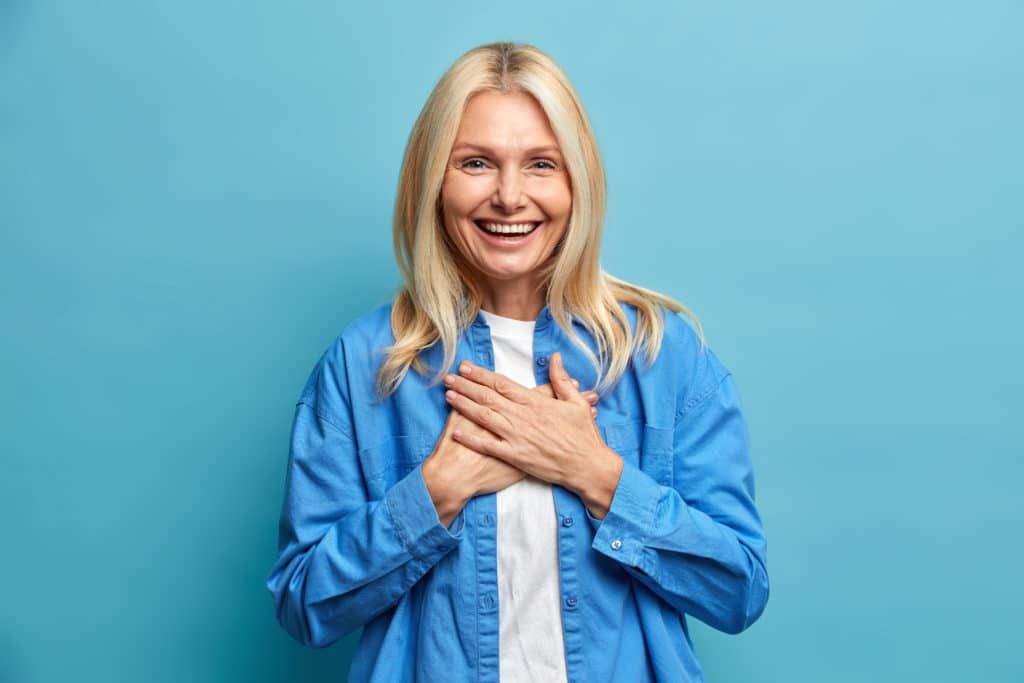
point(703, 552)
point(344, 559)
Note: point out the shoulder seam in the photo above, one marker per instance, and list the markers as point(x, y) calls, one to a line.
point(696, 401)
point(327, 420)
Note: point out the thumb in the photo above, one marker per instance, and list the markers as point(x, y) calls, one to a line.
point(561, 382)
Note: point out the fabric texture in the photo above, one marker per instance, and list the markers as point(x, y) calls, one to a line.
point(361, 545)
point(530, 640)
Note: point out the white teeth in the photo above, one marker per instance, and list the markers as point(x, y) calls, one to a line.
point(502, 228)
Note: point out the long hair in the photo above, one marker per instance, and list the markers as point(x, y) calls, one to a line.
point(439, 298)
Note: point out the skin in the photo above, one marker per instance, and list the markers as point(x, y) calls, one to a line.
point(551, 438)
point(506, 166)
point(454, 473)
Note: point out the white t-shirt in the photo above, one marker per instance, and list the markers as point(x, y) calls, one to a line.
point(530, 643)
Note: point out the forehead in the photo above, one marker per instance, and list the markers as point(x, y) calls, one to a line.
point(511, 120)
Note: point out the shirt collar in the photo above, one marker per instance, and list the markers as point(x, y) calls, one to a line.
point(543, 318)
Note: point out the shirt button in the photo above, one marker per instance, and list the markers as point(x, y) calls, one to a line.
point(570, 601)
point(616, 544)
point(566, 521)
point(542, 361)
point(487, 601)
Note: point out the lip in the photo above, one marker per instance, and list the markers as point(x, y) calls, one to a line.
point(504, 243)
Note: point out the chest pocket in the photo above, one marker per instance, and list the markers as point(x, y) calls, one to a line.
point(643, 445)
point(389, 460)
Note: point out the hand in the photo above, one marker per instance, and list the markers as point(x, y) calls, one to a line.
point(552, 438)
point(591, 396)
point(454, 473)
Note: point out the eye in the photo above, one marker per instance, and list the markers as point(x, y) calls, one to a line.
point(544, 165)
point(473, 164)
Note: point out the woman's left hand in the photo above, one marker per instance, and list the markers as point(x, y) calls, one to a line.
point(553, 439)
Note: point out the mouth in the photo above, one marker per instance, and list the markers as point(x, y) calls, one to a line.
point(507, 231)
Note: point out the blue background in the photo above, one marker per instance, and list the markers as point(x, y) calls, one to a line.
point(195, 198)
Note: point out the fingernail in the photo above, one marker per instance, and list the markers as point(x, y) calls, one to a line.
point(465, 368)
point(576, 383)
point(449, 395)
point(449, 379)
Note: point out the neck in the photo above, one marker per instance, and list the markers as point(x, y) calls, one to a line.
point(513, 301)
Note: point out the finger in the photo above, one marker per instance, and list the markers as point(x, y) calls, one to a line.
point(480, 394)
point(561, 381)
point(544, 390)
point(589, 396)
point(488, 418)
point(508, 388)
point(485, 444)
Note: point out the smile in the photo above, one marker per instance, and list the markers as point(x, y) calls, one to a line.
point(510, 229)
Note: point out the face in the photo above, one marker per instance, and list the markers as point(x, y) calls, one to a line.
point(506, 194)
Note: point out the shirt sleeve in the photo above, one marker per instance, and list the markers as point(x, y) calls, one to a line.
point(342, 558)
point(699, 545)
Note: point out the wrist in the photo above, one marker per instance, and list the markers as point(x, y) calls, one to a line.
point(448, 494)
point(602, 479)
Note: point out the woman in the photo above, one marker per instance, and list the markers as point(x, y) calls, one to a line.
point(449, 487)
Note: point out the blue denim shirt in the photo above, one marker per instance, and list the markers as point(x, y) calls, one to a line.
point(361, 544)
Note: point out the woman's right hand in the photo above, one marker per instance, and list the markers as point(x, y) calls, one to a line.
point(455, 473)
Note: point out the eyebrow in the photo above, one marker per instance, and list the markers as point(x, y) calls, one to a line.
point(545, 149)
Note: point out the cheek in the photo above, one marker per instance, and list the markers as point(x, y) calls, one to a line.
point(457, 205)
point(554, 200)
point(461, 195)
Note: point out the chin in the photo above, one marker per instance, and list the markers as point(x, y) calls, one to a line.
point(510, 271)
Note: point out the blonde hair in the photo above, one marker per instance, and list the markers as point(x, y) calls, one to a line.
point(439, 298)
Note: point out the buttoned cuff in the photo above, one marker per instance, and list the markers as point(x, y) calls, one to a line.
point(416, 520)
point(622, 534)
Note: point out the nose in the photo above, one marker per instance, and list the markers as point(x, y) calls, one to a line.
point(508, 195)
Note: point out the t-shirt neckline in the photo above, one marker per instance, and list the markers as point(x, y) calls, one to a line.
point(508, 327)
